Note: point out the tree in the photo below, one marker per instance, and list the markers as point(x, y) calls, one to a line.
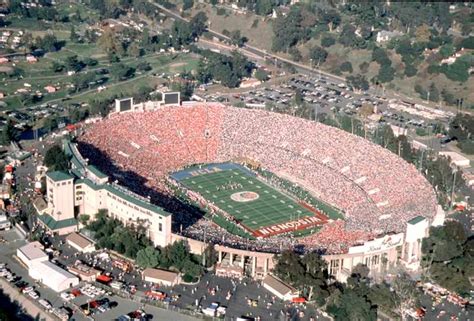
point(406, 293)
point(264, 7)
point(187, 4)
point(308, 273)
point(73, 63)
point(175, 255)
point(73, 36)
point(327, 41)
point(318, 54)
point(346, 66)
point(358, 82)
point(295, 54)
point(331, 18)
point(57, 67)
point(410, 70)
point(121, 71)
point(364, 67)
point(84, 218)
point(315, 277)
point(237, 39)
point(380, 56)
point(386, 74)
point(48, 43)
point(135, 50)
point(110, 43)
point(434, 92)
point(423, 33)
point(447, 50)
point(28, 41)
point(198, 24)
point(148, 257)
point(210, 256)
point(298, 98)
point(55, 159)
point(261, 75)
point(287, 30)
point(9, 133)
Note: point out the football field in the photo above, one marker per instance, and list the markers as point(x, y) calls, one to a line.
point(259, 207)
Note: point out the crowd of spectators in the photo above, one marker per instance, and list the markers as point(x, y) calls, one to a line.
point(377, 191)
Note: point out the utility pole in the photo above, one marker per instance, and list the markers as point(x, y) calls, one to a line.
point(454, 183)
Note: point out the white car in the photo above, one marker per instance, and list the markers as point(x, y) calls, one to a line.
point(45, 304)
point(34, 295)
point(4, 272)
point(65, 296)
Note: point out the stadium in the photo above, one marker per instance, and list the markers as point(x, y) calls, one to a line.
point(257, 180)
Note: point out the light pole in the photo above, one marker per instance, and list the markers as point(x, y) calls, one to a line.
point(455, 171)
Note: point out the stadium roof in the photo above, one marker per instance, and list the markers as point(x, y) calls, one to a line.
point(136, 201)
point(94, 170)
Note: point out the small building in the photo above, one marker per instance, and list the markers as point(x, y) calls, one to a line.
point(31, 59)
point(80, 243)
point(468, 175)
point(53, 276)
point(162, 277)
point(397, 130)
point(250, 83)
point(457, 159)
point(32, 253)
point(50, 89)
point(278, 288)
point(4, 222)
point(85, 272)
point(384, 35)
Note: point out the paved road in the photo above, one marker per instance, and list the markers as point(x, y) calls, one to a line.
point(301, 68)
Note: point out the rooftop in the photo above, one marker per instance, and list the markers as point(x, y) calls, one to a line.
point(33, 250)
point(94, 170)
point(160, 274)
point(53, 271)
point(79, 240)
point(52, 224)
point(130, 198)
point(58, 176)
point(416, 220)
point(278, 285)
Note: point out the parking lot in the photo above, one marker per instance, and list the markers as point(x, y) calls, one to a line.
point(324, 96)
point(122, 306)
point(237, 298)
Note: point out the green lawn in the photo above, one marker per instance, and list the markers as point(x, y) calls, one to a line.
point(272, 207)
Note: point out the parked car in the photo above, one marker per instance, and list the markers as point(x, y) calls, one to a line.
point(27, 289)
point(34, 295)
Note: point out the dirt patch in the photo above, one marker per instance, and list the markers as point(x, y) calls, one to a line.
point(5, 69)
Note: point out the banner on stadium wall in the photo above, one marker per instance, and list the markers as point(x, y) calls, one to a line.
point(301, 224)
point(380, 244)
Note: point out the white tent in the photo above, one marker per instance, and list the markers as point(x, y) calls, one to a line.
point(53, 276)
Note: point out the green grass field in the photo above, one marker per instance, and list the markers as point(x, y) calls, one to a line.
point(270, 208)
